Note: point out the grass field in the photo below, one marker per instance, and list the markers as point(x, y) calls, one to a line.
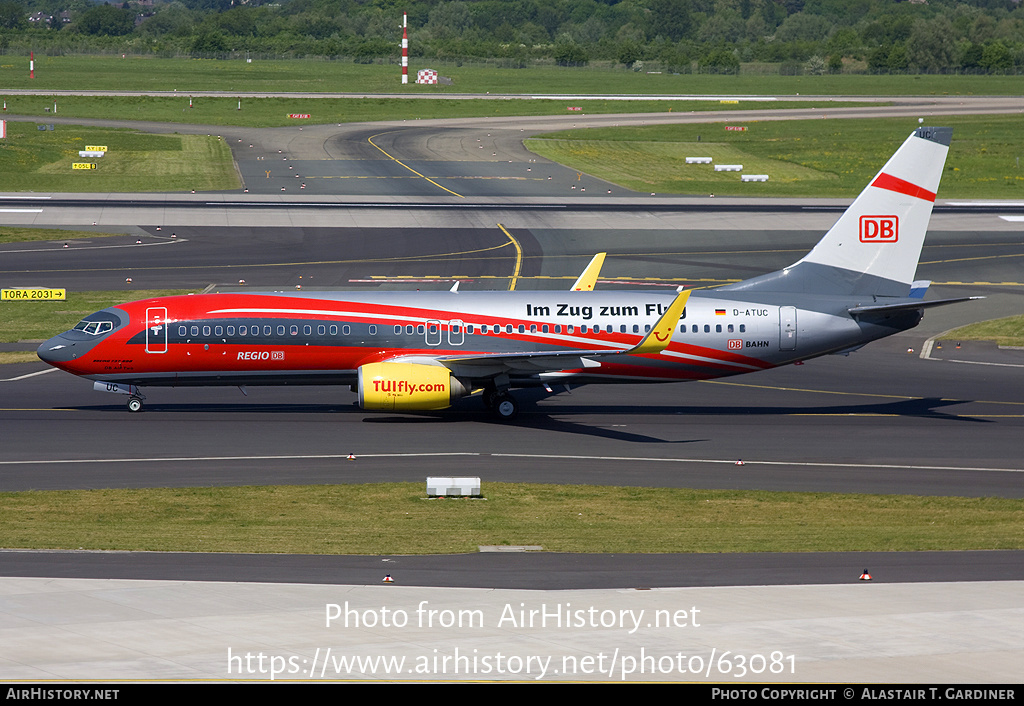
point(22, 234)
point(320, 76)
point(395, 518)
point(801, 157)
point(34, 320)
point(1005, 332)
point(33, 160)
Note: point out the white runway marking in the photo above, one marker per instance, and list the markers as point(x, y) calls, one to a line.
point(29, 375)
point(631, 459)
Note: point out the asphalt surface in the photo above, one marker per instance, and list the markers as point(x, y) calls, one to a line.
point(912, 414)
point(908, 425)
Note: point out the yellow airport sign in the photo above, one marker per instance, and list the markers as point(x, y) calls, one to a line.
point(95, 148)
point(24, 294)
point(83, 165)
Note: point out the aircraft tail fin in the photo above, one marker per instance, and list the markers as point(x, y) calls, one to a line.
point(874, 247)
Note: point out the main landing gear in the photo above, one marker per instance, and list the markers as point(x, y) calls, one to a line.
point(134, 404)
point(503, 404)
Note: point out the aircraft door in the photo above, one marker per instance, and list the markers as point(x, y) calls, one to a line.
point(456, 332)
point(433, 333)
point(787, 328)
point(156, 329)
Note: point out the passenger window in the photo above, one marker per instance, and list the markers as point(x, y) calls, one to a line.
point(743, 328)
point(231, 330)
point(718, 328)
point(294, 330)
point(242, 330)
point(321, 330)
point(307, 330)
point(729, 328)
point(280, 330)
point(182, 331)
point(544, 328)
point(206, 330)
point(195, 330)
point(533, 328)
point(373, 330)
point(219, 331)
point(334, 329)
point(267, 330)
point(346, 330)
point(508, 328)
point(398, 330)
point(707, 328)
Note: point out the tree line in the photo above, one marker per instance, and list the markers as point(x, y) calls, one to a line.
point(716, 36)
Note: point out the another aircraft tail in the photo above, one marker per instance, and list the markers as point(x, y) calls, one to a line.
point(874, 247)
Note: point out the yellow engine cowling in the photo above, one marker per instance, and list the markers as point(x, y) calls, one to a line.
point(408, 386)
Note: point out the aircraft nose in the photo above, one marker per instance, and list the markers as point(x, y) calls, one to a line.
point(57, 350)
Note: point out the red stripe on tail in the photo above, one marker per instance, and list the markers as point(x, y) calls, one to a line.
point(891, 183)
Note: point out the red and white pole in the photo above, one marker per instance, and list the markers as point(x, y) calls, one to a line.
point(405, 48)
point(31, 64)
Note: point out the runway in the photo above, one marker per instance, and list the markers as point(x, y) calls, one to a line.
point(883, 420)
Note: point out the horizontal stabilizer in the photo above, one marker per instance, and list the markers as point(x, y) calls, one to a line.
point(906, 306)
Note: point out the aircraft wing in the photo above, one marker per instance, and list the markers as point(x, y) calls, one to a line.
point(483, 364)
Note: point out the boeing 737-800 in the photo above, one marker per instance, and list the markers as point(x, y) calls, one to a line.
point(424, 350)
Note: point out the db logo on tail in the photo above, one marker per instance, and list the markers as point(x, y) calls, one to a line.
point(879, 229)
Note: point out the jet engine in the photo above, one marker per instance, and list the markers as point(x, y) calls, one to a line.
point(416, 386)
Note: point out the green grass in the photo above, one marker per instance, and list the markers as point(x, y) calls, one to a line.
point(1005, 332)
point(394, 518)
point(7, 357)
point(802, 157)
point(34, 320)
point(21, 234)
point(34, 160)
point(312, 75)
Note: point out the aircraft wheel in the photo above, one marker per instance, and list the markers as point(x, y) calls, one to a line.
point(506, 407)
point(490, 398)
point(134, 404)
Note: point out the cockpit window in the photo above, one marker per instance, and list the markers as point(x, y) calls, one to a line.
point(102, 322)
point(94, 327)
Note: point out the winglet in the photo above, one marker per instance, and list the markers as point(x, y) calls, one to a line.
point(588, 279)
point(659, 337)
point(918, 288)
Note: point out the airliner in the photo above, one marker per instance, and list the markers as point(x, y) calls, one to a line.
point(424, 350)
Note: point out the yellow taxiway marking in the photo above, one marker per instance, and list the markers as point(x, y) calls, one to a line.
point(370, 140)
point(971, 259)
point(519, 259)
